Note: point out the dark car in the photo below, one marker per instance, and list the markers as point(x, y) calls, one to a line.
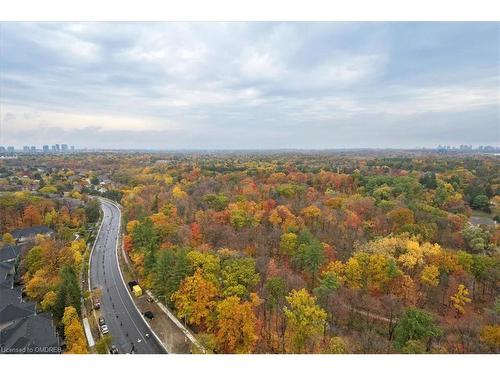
point(113, 350)
point(97, 305)
point(131, 284)
point(149, 315)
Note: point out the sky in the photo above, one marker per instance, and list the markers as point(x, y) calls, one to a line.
point(250, 85)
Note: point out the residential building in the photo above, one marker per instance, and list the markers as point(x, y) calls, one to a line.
point(28, 234)
point(22, 329)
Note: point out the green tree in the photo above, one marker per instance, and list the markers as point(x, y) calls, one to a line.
point(102, 346)
point(415, 324)
point(276, 291)
point(481, 202)
point(429, 180)
point(92, 210)
point(171, 268)
point(327, 285)
point(68, 293)
point(310, 254)
point(476, 238)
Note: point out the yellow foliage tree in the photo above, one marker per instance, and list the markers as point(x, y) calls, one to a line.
point(49, 300)
point(235, 325)
point(336, 346)
point(208, 263)
point(8, 239)
point(288, 243)
point(311, 212)
point(36, 287)
point(195, 298)
point(305, 321)
point(430, 275)
point(337, 269)
point(73, 332)
point(131, 224)
point(353, 273)
point(178, 193)
point(414, 255)
point(490, 335)
point(460, 299)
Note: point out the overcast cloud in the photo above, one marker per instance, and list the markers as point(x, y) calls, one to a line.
point(249, 85)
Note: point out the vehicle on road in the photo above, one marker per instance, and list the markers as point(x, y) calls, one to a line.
point(131, 284)
point(102, 322)
point(113, 350)
point(149, 315)
point(97, 305)
point(104, 329)
point(137, 291)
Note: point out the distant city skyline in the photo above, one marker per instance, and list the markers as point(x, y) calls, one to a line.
point(327, 85)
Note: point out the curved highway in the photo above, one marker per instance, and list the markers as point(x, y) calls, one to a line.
point(126, 325)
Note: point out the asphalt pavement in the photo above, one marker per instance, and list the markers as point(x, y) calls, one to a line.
point(126, 326)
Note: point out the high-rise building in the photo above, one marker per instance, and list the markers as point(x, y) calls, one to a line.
point(10, 149)
point(26, 149)
point(64, 148)
point(33, 149)
point(46, 148)
point(2, 149)
point(72, 148)
point(57, 147)
point(54, 149)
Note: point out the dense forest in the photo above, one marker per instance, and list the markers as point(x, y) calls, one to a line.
point(355, 252)
point(318, 253)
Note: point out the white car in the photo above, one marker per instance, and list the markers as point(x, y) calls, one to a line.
point(104, 329)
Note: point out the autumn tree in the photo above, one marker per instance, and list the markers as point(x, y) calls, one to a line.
point(73, 332)
point(460, 299)
point(235, 324)
point(490, 335)
point(288, 243)
point(305, 322)
point(208, 263)
point(430, 275)
point(239, 277)
point(195, 298)
point(49, 301)
point(336, 345)
point(8, 239)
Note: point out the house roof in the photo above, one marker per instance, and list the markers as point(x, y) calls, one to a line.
point(7, 274)
point(15, 312)
point(9, 252)
point(35, 332)
point(479, 220)
point(31, 231)
point(9, 296)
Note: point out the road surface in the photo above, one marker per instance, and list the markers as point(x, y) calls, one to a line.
point(126, 325)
